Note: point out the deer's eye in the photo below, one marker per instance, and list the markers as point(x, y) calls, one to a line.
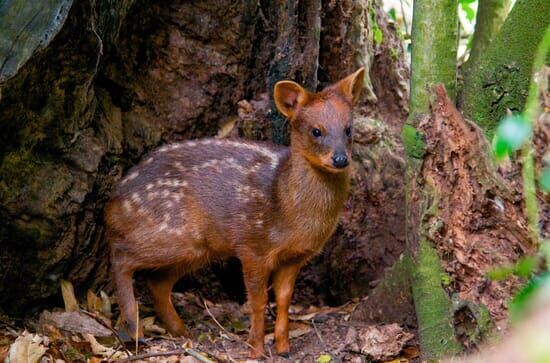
point(316, 132)
point(348, 131)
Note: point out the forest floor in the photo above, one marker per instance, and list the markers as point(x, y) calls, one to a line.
point(217, 332)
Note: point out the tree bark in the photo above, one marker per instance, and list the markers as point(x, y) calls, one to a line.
point(458, 208)
point(434, 39)
point(501, 81)
point(489, 18)
point(120, 79)
point(433, 60)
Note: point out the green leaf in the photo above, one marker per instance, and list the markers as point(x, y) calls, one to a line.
point(545, 180)
point(511, 133)
point(522, 268)
point(323, 358)
point(525, 266)
point(392, 14)
point(521, 302)
point(470, 13)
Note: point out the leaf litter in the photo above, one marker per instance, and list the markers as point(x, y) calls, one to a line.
point(217, 333)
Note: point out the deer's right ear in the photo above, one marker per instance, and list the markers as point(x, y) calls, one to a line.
point(288, 97)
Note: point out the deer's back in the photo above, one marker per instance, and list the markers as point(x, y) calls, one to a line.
point(194, 200)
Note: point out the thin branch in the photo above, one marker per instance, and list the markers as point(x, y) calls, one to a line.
point(184, 351)
point(115, 333)
point(228, 333)
point(318, 333)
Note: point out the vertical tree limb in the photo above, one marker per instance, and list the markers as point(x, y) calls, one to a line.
point(491, 14)
point(501, 81)
point(434, 39)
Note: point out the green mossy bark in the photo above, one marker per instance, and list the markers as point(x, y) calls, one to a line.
point(501, 81)
point(434, 39)
point(491, 14)
point(432, 305)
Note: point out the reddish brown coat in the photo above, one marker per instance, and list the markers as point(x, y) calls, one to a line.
point(190, 203)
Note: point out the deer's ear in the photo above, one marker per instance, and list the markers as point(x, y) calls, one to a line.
point(288, 97)
point(352, 85)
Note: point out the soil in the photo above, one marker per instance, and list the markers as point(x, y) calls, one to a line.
point(219, 331)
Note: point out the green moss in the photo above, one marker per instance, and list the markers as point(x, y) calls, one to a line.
point(433, 307)
point(501, 81)
point(413, 142)
point(434, 39)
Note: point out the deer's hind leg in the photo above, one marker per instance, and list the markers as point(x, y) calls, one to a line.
point(160, 283)
point(127, 302)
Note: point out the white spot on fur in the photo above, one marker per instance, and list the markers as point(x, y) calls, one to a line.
point(136, 198)
point(127, 206)
point(149, 186)
point(259, 149)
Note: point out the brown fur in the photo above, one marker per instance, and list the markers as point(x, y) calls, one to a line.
point(273, 207)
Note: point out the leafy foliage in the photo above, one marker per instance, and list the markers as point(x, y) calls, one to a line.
point(466, 7)
point(525, 297)
point(512, 132)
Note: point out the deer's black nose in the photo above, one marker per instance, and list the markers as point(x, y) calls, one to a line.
point(340, 161)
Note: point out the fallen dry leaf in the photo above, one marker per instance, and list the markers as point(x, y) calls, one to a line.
point(411, 352)
point(69, 298)
point(93, 303)
point(225, 129)
point(383, 342)
point(105, 304)
point(74, 322)
point(101, 350)
point(27, 348)
point(149, 326)
point(295, 330)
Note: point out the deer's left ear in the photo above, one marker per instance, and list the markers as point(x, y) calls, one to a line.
point(352, 85)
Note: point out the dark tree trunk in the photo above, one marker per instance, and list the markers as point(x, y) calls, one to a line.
point(121, 78)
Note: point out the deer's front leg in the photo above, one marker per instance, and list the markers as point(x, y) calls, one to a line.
point(283, 285)
point(256, 276)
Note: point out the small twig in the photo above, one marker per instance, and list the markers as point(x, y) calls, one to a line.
point(227, 353)
point(136, 333)
point(234, 336)
point(318, 333)
point(100, 321)
point(184, 351)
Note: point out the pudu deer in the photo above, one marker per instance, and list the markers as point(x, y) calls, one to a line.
point(273, 207)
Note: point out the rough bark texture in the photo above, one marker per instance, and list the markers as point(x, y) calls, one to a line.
point(489, 18)
point(467, 208)
point(26, 28)
point(501, 81)
point(121, 78)
point(434, 39)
